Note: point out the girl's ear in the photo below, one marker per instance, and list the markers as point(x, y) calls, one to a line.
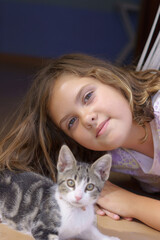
point(66, 160)
point(102, 167)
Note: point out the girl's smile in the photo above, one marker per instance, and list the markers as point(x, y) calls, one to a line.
point(94, 114)
point(102, 127)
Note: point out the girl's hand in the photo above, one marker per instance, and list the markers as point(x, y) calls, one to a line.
point(102, 212)
point(115, 202)
point(118, 202)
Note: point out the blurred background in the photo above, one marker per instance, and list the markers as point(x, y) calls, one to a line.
point(33, 31)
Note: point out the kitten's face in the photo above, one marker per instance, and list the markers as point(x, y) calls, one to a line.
point(79, 186)
point(80, 183)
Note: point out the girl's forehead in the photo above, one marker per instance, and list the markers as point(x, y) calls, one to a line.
point(70, 87)
point(70, 80)
point(64, 81)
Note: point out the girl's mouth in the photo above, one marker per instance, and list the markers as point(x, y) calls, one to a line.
point(101, 128)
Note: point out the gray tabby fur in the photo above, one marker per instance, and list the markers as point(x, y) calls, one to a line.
point(33, 204)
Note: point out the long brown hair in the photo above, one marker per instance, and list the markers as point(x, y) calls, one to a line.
point(33, 141)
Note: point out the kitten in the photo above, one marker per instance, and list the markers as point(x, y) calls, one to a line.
point(34, 204)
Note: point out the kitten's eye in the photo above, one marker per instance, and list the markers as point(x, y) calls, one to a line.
point(87, 97)
point(70, 183)
point(90, 187)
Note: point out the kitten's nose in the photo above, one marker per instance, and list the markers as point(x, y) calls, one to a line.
point(78, 198)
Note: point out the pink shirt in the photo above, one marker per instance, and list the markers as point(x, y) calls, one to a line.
point(145, 169)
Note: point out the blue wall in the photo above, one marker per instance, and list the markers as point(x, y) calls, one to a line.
point(49, 30)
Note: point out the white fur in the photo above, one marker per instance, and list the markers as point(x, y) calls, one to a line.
point(78, 222)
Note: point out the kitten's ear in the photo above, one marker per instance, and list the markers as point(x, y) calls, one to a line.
point(102, 166)
point(66, 160)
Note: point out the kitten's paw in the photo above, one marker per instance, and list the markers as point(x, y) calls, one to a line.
point(114, 238)
point(53, 237)
point(110, 238)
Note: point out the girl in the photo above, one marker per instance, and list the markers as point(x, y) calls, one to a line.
point(81, 99)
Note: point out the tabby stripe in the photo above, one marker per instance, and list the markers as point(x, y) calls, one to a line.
point(98, 189)
point(61, 182)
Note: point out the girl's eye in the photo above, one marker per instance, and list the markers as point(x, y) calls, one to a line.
point(90, 187)
point(70, 183)
point(71, 122)
point(87, 97)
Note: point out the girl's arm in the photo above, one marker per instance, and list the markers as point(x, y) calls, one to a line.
point(117, 201)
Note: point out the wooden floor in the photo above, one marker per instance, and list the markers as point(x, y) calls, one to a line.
point(123, 229)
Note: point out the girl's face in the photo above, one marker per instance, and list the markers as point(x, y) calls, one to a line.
point(95, 115)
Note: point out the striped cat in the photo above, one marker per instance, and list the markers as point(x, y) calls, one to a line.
point(34, 204)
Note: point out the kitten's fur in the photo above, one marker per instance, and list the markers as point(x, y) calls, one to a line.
point(32, 203)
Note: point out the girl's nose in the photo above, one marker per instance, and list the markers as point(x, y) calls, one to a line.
point(90, 119)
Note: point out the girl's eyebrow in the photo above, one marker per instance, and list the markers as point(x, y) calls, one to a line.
point(63, 119)
point(80, 92)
